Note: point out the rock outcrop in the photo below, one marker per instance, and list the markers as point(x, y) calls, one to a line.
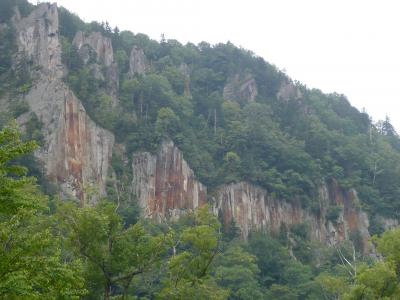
point(242, 89)
point(38, 39)
point(253, 208)
point(96, 41)
point(288, 91)
point(96, 45)
point(76, 152)
point(137, 62)
point(164, 184)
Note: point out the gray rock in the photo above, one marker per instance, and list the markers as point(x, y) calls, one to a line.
point(137, 62)
point(96, 41)
point(76, 151)
point(253, 208)
point(288, 91)
point(242, 89)
point(164, 184)
point(38, 39)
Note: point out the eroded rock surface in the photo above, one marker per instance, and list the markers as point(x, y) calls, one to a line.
point(288, 91)
point(38, 39)
point(96, 41)
point(103, 68)
point(164, 184)
point(137, 62)
point(76, 152)
point(253, 208)
point(242, 89)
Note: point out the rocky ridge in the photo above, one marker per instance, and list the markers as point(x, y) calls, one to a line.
point(76, 151)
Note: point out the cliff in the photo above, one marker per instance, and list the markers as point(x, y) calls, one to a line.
point(101, 45)
point(76, 152)
point(253, 208)
point(241, 88)
point(137, 62)
point(164, 184)
point(103, 66)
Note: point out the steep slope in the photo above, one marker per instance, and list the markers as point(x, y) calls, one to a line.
point(164, 184)
point(76, 151)
point(252, 208)
point(201, 124)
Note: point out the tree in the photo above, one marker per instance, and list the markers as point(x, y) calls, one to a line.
point(32, 265)
point(167, 123)
point(195, 248)
point(237, 270)
point(271, 257)
point(376, 282)
point(113, 255)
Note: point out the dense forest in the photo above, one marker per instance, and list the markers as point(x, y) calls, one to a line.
point(285, 137)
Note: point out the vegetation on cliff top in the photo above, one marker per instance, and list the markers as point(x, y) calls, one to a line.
point(287, 144)
point(60, 251)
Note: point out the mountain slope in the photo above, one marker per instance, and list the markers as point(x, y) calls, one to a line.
point(257, 140)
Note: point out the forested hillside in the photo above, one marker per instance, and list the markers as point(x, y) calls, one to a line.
point(285, 137)
point(146, 169)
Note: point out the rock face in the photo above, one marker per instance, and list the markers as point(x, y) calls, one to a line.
point(288, 91)
point(252, 208)
point(76, 152)
point(242, 89)
point(37, 38)
point(137, 62)
point(164, 185)
point(96, 41)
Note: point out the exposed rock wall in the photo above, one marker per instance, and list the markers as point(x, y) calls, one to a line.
point(164, 184)
point(76, 152)
point(288, 91)
point(38, 39)
point(102, 47)
point(242, 89)
point(96, 41)
point(253, 208)
point(137, 62)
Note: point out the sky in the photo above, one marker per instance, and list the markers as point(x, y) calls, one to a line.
point(351, 47)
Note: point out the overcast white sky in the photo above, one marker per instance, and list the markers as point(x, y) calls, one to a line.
point(347, 46)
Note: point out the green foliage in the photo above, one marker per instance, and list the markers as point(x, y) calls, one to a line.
point(377, 282)
point(288, 146)
point(31, 260)
point(333, 213)
point(17, 190)
point(194, 250)
point(237, 270)
point(167, 123)
point(69, 23)
point(114, 254)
